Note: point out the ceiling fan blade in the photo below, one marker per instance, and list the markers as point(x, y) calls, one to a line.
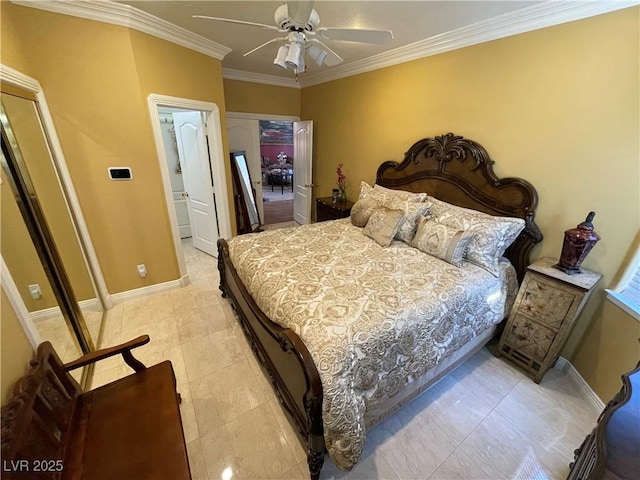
point(332, 59)
point(240, 22)
point(300, 11)
point(273, 40)
point(355, 35)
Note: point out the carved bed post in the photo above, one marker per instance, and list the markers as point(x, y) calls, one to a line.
point(315, 450)
point(222, 287)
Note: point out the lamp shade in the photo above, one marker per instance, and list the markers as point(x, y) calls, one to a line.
point(301, 66)
point(317, 54)
point(293, 57)
point(280, 59)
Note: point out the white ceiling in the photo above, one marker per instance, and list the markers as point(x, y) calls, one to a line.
point(410, 21)
point(420, 28)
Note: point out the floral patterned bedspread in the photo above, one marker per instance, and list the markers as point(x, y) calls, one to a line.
point(373, 318)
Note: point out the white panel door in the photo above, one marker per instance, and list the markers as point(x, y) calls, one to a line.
point(198, 182)
point(302, 171)
point(244, 135)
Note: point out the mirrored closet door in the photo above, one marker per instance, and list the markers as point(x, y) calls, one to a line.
point(39, 242)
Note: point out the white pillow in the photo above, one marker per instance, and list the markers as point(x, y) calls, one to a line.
point(404, 194)
point(387, 195)
point(492, 234)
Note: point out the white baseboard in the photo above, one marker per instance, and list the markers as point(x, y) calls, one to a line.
point(47, 313)
point(122, 297)
point(580, 383)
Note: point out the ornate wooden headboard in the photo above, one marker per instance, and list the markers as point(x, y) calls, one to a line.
point(459, 171)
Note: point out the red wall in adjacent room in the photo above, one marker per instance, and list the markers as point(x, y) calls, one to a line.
point(272, 151)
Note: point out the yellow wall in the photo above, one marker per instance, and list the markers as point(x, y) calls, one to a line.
point(558, 106)
point(97, 78)
point(611, 344)
point(249, 97)
point(16, 351)
point(608, 349)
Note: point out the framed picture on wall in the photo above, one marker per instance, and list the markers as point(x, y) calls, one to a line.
point(276, 133)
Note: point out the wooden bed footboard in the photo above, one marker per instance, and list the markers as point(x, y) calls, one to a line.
point(285, 359)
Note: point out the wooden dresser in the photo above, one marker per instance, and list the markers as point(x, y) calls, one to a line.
point(612, 450)
point(543, 315)
point(327, 209)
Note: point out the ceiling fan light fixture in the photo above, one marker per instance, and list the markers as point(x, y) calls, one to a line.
point(280, 59)
point(294, 55)
point(301, 66)
point(317, 54)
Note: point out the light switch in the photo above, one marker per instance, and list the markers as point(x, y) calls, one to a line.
point(34, 290)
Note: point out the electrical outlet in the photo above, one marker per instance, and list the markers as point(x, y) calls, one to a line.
point(34, 290)
point(142, 270)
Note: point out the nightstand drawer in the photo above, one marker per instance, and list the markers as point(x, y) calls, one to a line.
point(327, 210)
point(546, 302)
point(529, 337)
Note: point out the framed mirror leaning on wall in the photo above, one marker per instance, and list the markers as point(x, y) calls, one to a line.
point(247, 216)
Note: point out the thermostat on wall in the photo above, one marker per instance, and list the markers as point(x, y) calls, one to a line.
point(120, 173)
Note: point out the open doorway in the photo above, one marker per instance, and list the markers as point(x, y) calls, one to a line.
point(280, 164)
point(276, 163)
point(189, 143)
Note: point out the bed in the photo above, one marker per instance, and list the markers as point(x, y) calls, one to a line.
point(373, 340)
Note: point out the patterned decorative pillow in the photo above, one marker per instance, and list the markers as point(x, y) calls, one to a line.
point(405, 195)
point(492, 234)
point(413, 207)
point(412, 213)
point(446, 243)
point(382, 225)
point(362, 210)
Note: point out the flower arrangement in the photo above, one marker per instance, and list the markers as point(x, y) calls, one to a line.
point(341, 182)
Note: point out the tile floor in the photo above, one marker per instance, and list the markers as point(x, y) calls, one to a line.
point(486, 420)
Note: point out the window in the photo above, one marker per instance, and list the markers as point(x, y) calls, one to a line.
point(626, 293)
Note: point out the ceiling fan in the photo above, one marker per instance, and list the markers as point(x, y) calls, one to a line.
point(299, 20)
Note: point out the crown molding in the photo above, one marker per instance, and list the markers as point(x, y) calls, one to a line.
point(14, 77)
point(542, 15)
point(130, 17)
point(527, 19)
point(245, 76)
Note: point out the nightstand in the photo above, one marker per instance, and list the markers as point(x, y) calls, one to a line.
point(326, 209)
point(543, 315)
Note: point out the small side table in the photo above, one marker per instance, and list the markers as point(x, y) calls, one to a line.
point(326, 209)
point(543, 315)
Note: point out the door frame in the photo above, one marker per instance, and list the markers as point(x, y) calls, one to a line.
point(262, 116)
point(217, 162)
